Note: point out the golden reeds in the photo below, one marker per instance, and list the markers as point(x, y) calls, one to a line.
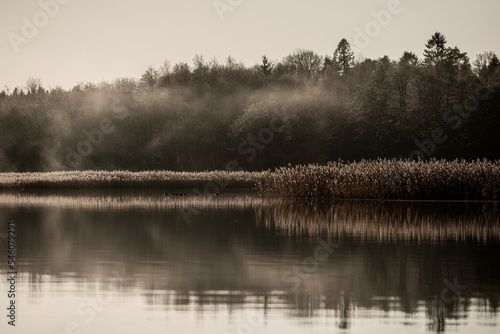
point(387, 179)
point(127, 179)
point(367, 179)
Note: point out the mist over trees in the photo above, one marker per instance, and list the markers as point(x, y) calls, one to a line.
point(305, 108)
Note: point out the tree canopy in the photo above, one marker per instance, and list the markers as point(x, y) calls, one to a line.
point(305, 108)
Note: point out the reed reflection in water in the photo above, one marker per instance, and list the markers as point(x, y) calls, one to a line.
point(239, 266)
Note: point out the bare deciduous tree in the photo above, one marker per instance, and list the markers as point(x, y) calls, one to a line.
point(305, 63)
point(34, 85)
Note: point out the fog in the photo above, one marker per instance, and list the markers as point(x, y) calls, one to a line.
point(305, 108)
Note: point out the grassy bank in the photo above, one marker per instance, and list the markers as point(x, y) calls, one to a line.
point(387, 179)
point(378, 179)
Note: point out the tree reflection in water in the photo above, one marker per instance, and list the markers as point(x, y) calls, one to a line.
point(393, 256)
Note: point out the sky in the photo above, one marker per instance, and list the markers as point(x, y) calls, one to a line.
point(66, 42)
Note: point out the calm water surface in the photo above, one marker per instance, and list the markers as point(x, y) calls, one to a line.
point(141, 262)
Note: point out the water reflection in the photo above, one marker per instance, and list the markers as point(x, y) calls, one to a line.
point(242, 263)
point(384, 221)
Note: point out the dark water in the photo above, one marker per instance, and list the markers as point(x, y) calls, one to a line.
point(136, 262)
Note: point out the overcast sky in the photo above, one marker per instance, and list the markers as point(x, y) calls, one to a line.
point(96, 40)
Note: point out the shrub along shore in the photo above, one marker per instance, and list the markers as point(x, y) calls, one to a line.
point(367, 179)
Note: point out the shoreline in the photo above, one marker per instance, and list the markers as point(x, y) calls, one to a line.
point(126, 180)
point(379, 179)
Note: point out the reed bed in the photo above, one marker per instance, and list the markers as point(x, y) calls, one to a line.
point(367, 179)
point(125, 179)
point(387, 179)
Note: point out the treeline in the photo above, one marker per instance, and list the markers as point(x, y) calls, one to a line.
point(305, 108)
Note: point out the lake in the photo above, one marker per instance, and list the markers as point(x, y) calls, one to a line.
point(141, 262)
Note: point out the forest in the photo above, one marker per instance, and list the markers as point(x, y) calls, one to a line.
point(305, 108)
